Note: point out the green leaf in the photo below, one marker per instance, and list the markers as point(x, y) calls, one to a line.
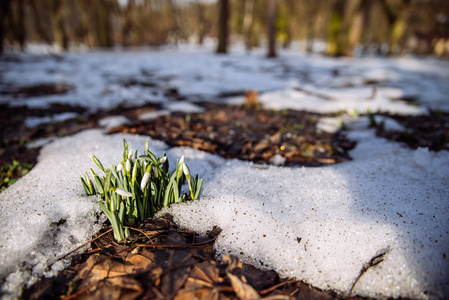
point(97, 162)
point(107, 184)
point(86, 188)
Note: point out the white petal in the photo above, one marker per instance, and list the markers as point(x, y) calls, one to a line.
point(145, 179)
point(186, 170)
point(123, 193)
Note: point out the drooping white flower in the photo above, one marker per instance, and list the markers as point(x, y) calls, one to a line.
point(162, 159)
point(128, 166)
point(130, 153)
point(145, 179)
point(120, 167)
point(186, 170)
point(181, 161)
point(123, 193)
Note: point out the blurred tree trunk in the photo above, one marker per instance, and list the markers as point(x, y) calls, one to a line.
point(248, 22)
point(5, 7)
point(21, 34)
point(175, 32)
point(202, 22)
point(397, 22)
point(38, 26)
point(272, 9)
point(346, 26)
point(358, 12)
point(223, 26)
point(103, 26)
point(59, 33)
point(334, 39)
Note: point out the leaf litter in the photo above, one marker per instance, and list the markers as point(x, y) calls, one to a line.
point(162, 261)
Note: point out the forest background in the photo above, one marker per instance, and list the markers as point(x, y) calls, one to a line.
point(335, 27)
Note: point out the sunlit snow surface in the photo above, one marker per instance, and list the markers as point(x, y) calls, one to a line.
point(321, 225)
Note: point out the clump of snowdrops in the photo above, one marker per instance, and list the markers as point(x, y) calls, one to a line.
point(138, 187)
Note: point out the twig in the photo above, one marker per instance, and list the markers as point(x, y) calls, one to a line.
point(270, 289)
point(64, 256)
point(377, 259)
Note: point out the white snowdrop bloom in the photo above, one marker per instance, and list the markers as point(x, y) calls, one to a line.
point(162, 159)
point(186, 170)
point(128, 166)
point(145, 179)
point(120, 167)
point(123, 193)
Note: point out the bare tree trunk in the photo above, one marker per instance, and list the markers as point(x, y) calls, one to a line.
point(356, 20)
point(223, 27)
point(5, 7)
point(21, 34)
point(334, 39)
point(272, 9)
point(59, 32)
point(103, 30)
point(248, 21)
point(397, 21)
point(202, 22)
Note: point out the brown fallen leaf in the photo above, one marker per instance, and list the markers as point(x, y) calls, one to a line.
point(243, 290)
point(122, 287)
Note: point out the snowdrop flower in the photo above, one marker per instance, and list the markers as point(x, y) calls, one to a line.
point(181, 161)
point(123, 193)
point(120, 167)
point(162, 159)
point(146, 147)
point(186, 170)
point(145, 179)
point(130, 153)
point(128, 166)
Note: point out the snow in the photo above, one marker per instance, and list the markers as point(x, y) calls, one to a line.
point(35, 121)
point(321, 225)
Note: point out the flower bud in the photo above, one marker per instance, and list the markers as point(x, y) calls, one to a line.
point(162, 159)
point(128, 166)
point(145, 179)
point(186, 170)
point(120, 167)
point(123, 193)
point(145, 147)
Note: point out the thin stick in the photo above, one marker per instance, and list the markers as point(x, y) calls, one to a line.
point(270, 289)
point(64, 256)
point(141, 231)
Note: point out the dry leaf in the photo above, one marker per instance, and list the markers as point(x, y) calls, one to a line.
point(243, 290)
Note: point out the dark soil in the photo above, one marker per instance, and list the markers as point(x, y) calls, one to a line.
point(430, 131)
point(162, 261)
point(249, 133)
